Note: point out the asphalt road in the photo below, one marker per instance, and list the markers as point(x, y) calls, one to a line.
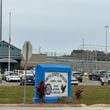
point(4, 83)
point(85, 82)
point(90, 83)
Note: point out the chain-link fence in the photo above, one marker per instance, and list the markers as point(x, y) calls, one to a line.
point(82, 65)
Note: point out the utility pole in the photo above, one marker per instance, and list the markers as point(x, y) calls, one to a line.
point(39, 50)
point(83, 55)
point(83, 44)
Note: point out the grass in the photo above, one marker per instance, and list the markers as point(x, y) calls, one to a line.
point(94, 95)
point(15, 94)
point(90, 95)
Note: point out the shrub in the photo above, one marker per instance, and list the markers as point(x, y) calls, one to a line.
point(78, 94)
point(41, 90)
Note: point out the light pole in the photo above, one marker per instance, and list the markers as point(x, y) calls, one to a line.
point(9, 41)
point(0, 20)
point(106, 27)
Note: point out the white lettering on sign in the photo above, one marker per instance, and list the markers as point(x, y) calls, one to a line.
point(56, 84)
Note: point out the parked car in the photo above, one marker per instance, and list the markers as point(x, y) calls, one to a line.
point(96, 74)
point(29, 80)
point(78, 75)
point(6, 73)
point(22, 72)
point(74, 80)
point(12, 76)
point(105, 79)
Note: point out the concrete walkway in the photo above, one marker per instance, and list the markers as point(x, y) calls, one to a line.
point(53, 107)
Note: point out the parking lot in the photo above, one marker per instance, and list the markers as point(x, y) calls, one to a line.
point(4, 83)
point(85, 82)
point(90, 83)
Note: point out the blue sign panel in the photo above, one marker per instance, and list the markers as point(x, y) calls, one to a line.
point(57, 81)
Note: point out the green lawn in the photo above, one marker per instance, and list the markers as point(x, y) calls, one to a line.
point(95, 94)
point(90, 95)
point(15, 94)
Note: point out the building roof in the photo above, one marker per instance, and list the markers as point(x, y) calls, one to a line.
point(10, 44)
point(15, 53)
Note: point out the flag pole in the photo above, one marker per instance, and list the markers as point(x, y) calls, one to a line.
point(9, 40)
point(0, 20)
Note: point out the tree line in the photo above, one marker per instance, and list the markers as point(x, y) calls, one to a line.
point(90, 55)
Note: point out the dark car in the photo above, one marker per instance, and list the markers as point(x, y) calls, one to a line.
point(29, 80)
point(97, 74)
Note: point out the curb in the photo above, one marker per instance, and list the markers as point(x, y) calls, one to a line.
point(54, 105)
point(42, 105)
point(100, 105)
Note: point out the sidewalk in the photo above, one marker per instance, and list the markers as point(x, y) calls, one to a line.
point(53, 105)
point(42, 105)
point(50, 107)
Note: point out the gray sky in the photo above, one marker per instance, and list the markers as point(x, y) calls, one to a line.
point(57, 25)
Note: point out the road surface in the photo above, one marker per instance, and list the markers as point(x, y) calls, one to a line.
point(54, 108)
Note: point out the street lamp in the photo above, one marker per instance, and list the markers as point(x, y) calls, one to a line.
point(106, 27)
point(0, 20)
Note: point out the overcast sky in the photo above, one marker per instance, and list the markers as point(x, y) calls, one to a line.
point(57, 25)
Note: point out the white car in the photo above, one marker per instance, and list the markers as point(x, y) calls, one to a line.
point(6, 73)
point(12, 76)
point(105, 79)
point(74, 80)
point(21, 73)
